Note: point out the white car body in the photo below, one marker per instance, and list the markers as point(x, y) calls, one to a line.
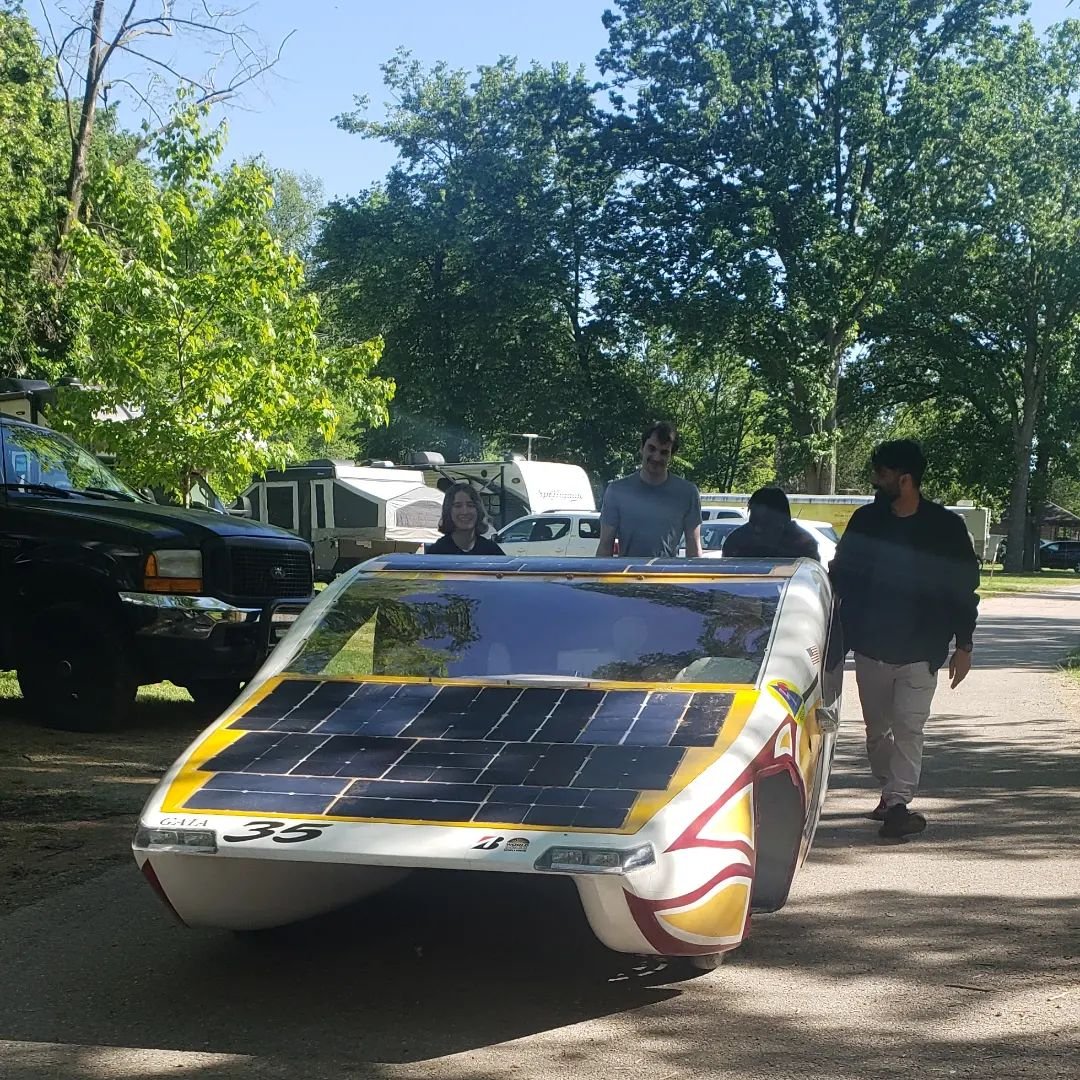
point(696, 793)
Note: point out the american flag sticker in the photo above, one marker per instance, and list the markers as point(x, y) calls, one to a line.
point(815, 655)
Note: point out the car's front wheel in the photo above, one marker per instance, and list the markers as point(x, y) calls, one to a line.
point(74, 668)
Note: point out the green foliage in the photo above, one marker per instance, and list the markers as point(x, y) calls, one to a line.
point(482, 261)
point(192, 317)
point(781, 150)
point(986, 324)
point(31, 163)
point(294, 213)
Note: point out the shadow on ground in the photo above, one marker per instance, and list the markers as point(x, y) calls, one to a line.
point(986, 794)
point(450, 963)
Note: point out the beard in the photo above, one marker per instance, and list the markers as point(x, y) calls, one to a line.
point(884, 498)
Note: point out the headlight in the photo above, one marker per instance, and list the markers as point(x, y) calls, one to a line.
point(590, 860)
point(176, 570)
point(197, 841)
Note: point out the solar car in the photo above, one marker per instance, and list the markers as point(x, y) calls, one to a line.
point(659, 731)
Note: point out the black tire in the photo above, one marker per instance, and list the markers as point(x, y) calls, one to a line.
point(75, 670)
point(214, 695)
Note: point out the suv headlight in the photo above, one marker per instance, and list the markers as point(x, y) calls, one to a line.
point(173, 570)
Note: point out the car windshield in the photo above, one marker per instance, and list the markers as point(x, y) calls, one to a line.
point(714, 535)
point(485, 627)
point(33, 457)
point(828, 532)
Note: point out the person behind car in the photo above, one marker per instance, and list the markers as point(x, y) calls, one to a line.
point(650, 511)
point(906, 575)
point(462, 524)
point(770, 533)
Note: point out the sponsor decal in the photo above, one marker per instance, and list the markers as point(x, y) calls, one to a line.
point(517, 843)
point(182, 823)
point(788, 695)
point(488, 843)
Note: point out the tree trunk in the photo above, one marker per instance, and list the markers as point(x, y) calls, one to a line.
point(80, 150)
point(1018, 494)
point(821, 472)
point(1037, 495)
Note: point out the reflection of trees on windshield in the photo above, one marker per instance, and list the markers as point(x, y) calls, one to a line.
point(401, 629)
point(466, 626)
point(733, 624)
point(38, 457)
point(403, 624)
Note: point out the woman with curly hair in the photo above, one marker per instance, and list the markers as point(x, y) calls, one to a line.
point(462, 524)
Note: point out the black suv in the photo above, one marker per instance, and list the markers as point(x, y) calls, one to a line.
point(1060, 555)
point(102, 591)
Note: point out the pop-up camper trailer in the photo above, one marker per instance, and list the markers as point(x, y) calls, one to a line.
point(350, 513)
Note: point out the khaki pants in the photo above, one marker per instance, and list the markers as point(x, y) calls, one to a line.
point(896, 701)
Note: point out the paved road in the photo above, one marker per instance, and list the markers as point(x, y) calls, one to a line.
point(956, 955)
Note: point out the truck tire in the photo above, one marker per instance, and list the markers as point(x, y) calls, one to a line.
point(74, 668)
point(214, 695)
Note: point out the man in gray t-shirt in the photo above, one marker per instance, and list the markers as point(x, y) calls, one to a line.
point(650, 511)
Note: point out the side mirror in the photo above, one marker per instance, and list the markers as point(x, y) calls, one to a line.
point(241, 508)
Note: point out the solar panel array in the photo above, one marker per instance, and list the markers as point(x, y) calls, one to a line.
point(575, 758)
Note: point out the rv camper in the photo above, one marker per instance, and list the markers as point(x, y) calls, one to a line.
point(350, 513)
point(514, 487)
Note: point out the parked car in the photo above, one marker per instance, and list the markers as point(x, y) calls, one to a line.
point(661, 737)
point(573, 534)
point(1060, 555)
point(104, 590)
point(714, 513)
point(826, 536)
point(713, 535)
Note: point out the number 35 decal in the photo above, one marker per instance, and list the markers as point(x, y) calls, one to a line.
point(279, 831)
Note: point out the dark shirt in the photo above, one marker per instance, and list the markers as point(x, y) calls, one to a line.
point(445, 546)
point(907, 585)
point(776, 540)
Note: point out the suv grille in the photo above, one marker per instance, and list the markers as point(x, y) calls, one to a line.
point(269, 572)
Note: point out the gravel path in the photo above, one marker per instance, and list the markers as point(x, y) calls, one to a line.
point(954, 955)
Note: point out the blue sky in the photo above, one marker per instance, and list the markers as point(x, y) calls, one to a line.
point(338, 46)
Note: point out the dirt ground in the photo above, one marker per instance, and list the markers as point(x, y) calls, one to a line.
point(68, 802)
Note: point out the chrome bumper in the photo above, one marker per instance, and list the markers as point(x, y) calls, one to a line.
point(191, 617)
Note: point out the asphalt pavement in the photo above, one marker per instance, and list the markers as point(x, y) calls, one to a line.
point(955, 954)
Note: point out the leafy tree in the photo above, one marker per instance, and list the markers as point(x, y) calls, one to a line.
point(481, 261)
point(720, 407)
point(990, 314)
point(294, 214)
point(781, 153)
point(30, 168)
point(194, 319)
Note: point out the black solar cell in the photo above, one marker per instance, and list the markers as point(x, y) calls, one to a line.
point(540, 755)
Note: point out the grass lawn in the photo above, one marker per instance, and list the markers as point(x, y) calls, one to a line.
point(9, 691)
point(995, 582)
point(1070, 664)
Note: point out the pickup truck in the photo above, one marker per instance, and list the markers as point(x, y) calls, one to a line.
point(102, 591)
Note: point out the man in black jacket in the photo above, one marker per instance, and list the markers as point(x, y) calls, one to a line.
point(906, 575)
